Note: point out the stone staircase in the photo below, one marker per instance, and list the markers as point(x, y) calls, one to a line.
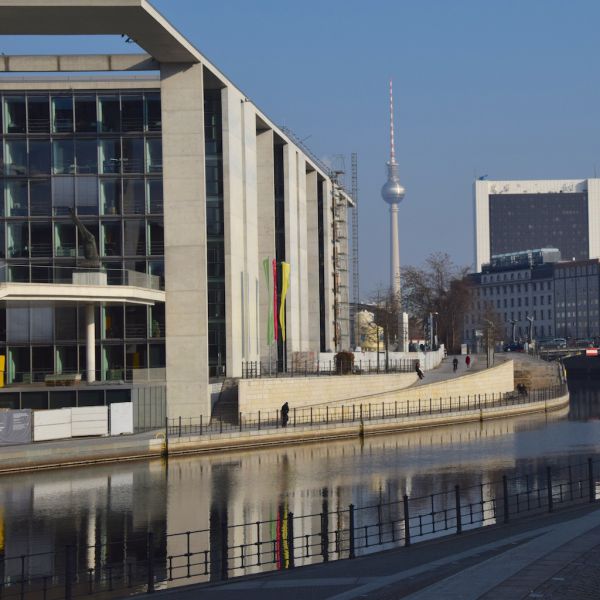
point(226, 408)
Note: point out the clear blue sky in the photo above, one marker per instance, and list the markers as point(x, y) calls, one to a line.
point(507, 88)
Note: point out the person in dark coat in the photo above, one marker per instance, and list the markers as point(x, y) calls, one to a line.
point(418, 369)
point(285, 414)
point(455, 364)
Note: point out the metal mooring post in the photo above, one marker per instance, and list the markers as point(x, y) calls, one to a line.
point(351, 528)
point(290, 540)
point(406, 521)
point(549, 483)
point(505, 498)
point(458, 514)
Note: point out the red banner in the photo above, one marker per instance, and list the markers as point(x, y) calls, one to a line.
point(275, 328)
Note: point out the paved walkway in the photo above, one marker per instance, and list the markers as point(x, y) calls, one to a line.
point(445, 369)
point(553, 557)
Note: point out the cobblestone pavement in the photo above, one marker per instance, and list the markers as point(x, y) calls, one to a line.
point(578, 580)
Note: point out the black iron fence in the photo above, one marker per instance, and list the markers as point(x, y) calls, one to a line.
point(357, 410)
point(142, 564)
point(298, 368)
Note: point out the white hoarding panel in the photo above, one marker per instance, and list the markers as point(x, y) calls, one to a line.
point(51, 424)
point(121, 418)
point(89, 420)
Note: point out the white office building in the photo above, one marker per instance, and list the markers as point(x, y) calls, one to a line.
point(188, 189)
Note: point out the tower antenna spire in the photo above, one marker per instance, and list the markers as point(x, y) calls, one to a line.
point(392, 147)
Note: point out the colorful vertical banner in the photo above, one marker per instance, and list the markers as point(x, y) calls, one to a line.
point(275, 329)
point(285, 282)
point(267, 272)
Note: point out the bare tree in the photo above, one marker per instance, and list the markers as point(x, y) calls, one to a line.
point(438, 286)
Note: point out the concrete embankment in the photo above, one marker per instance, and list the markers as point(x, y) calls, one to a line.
point(101, 450)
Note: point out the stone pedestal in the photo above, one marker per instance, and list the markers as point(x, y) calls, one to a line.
point(90, 277)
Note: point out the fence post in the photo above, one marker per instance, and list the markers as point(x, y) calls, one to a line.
point(458, 515)
point(277, 418)
point(200, 424)
point(406, 521)
point(294, 416)
point(290, 540)
point(351, 530)
point(180, 426)
point(240, 421)
point(505, 498)
point(549, 483)
point(591, 480)
point(68, 574)
point(224, 551)
point(150, 563)
point(259, 420)
point(324, 537)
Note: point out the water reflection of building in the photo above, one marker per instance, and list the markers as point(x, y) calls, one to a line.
point(105, 517)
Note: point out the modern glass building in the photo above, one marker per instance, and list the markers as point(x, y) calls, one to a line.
point(188, 191)
point(99, 154)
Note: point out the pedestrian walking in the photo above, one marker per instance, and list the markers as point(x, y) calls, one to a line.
point(455, 364)
point(418, 369)
point(468, 361)
point(285, 414)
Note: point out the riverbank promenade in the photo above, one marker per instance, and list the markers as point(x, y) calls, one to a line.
point(443, 397)
point(550, 557)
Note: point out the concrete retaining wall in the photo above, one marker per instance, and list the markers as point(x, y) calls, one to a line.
point(497, 380)
point(269, 394)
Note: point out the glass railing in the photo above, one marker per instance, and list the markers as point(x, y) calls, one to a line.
point(35, 273)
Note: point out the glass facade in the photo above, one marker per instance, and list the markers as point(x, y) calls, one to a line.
point(100, 155)
point(524, 221)
point(215, 232)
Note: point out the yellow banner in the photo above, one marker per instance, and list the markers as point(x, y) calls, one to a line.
point(285, 282)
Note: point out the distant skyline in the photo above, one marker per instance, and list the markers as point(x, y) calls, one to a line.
point(504, 88)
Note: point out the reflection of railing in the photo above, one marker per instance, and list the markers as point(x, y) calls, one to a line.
point(140, 563)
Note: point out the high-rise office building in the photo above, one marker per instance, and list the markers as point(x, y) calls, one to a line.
point(513, 216)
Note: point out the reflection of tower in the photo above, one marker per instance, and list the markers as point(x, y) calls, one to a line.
point(393, 193)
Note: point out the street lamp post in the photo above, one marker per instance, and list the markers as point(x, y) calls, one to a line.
point(513, 323)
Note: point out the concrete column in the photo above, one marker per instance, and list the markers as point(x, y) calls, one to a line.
point(302, 255)
point(290, 169)
point(266, 240)
point(394, 251)
point(328, 266)
point(90, 343)
point(312, 245)
point(185, 239)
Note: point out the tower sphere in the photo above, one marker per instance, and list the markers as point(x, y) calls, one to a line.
point(393, 191)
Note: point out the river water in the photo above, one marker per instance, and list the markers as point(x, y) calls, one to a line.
point(102, 505)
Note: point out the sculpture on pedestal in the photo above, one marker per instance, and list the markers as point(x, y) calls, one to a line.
point(90, 247)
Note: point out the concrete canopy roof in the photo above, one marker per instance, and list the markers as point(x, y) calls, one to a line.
point(135, 18)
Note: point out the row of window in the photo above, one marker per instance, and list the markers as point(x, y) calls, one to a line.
point(40, 239)
point(107, 156)
point(516, 302)
point(45, 324)
point(511, 288)
point(115, 362)
point(80, 113)
point(85, 195)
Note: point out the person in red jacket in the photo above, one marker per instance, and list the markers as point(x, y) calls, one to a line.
point(468, 361)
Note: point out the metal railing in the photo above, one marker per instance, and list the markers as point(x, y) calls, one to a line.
point(358, 410)
point(141, 564)
point(253, 369)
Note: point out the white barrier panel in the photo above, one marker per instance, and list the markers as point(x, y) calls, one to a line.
point(121, 418)
point(89, 420)
point(51, 424)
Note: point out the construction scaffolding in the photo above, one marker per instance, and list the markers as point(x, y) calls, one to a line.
point(339, 207)
point(354, 336)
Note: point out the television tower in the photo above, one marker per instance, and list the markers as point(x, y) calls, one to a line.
point(393, 193)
